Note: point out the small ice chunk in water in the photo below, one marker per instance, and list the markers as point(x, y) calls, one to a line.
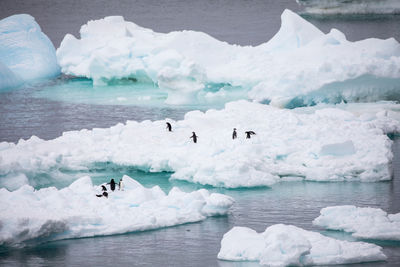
point(361, 222)
point(288, 245)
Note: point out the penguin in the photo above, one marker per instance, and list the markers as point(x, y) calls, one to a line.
point(169, 127)
point(234, 134)
point(121, 185)
point(105, 194)
point(194, 136)
point(103, 188)
point(112, 184)
point(249, 133)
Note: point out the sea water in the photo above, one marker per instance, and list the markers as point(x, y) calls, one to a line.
point(47, 109)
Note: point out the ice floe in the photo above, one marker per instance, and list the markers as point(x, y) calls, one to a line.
point(300, 65)
point(288, 245)
point(366, 223)
point(48, 214)
point(26, 53)
point(329, 7)
point(327, 144)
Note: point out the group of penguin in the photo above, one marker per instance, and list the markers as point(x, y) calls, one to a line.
point(194, 136)
point(112, 184)
point(169, 129)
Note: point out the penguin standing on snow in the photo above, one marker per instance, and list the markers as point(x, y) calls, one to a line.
point(234, 134)
point(112, 184)
point(194, 136)
point(121, 185)
point(249, 134)
point(169, 127)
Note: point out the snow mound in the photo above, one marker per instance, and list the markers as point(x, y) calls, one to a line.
point(367, 223)
point(350, 7)
point(288, 245)
point(26, 53)
point(49, 214)
point(300, 65)
point(286, 144)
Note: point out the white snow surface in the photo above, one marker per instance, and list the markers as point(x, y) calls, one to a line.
point(49, 214)
point(330, 7)
point(366, 223)
point(288, 245)
point(286, 144)
point(300, 63)
point(26, 53)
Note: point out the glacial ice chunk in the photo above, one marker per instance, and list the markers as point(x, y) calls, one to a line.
point(26, 53)
point(300, 65)
point(286, 144)
point(48, 214)
point(366, 223)
point(288, 245)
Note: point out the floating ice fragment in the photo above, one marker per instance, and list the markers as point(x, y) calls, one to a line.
point(288, 245)
point(287, 144)
point(26, 53)
point(350, 7)
point(299, 66)
point(30, 216)
point(366, 223)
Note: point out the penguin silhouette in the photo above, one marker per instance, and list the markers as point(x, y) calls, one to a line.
point(249, 134)
point(105, 194)
point(234, 134)
point(112, 184)
point(194, 136)
point(169, 127)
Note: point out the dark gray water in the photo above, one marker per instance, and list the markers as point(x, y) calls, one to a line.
point(241, 22)
point(23, 115)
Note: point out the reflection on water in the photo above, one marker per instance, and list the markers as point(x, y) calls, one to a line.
point(22, 115)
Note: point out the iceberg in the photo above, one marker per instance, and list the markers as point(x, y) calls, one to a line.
point(26, 53)
point(288, 245)
point(286, 144)
point(329, 7)
point(32, 216)
point(299, 66)
point(365, 223)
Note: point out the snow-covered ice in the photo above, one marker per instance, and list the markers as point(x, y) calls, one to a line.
point(26, 53)
point(330, 7)
point(300, 65)
point(288, 245)
point(286, 144)
point(29, 216)
point(366, 223)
